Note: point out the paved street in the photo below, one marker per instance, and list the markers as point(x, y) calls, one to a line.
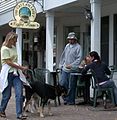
point(67, 112)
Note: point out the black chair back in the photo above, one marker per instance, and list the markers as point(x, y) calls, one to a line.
point(42, 74)
point(113, 69)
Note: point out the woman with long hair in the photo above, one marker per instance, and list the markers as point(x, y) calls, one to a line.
point(11, 75)
point(101, 71)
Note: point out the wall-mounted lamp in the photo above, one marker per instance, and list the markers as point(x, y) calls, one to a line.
point(40, 2)
point(35, 43)
point(35, 39)
point(88, 14)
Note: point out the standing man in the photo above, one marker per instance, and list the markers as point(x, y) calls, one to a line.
point(70, 59)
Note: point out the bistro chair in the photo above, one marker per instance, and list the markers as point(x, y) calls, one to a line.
point(42, 74)
point(113, 69)
point(98, 89)
point(83, 87)
point(80, 87)
point(58, 73)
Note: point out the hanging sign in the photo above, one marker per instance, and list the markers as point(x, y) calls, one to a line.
point(24, 14)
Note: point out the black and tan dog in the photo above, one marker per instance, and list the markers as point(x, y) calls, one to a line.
point(45, 91)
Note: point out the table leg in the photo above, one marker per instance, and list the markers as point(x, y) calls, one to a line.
point(87, 91)
point(54, 74)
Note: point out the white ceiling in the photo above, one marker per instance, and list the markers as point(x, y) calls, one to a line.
point(78, 7)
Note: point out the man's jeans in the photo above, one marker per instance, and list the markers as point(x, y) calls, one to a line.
point(110, 83)
point(64, 79)
point(72, 89)
point(70, 84)
point(18, 86)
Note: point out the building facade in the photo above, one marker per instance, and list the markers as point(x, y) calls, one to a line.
point(94, 22)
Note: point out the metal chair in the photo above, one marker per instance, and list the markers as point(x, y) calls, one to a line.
point(83, 85)
point(80, 87)
point(57, 82)
point(113, 69)
point(42, 74)
point(98, 89)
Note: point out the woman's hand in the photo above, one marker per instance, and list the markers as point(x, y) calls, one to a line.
point(23, 68)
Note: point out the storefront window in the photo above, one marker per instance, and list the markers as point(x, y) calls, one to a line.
point(105, 39)
point(86, 43)
point(115, 39)
point(25, 37)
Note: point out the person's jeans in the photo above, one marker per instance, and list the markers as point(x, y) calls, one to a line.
point(110, 83)
point(64, 79)
point(6, 94)
point(72, 90)
point(69, 82)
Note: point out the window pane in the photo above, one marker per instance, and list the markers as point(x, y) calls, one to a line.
point(105, 39)
point(115, 39)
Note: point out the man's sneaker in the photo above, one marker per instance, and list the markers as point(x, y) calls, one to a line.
point(22, 117)
point(2, 114)
point(65, 102)
point(71, 103)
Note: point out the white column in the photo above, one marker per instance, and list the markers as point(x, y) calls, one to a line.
point(49, 40)
point(19, 45)
point(111, 40)
point(95, 25)
point(59, 42)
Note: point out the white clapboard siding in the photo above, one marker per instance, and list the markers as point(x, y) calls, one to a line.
point(7, 5)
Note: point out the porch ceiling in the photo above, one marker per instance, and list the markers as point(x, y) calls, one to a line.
point(108, 2)
point(78, 7)
point(72, 8)
point(69, 9)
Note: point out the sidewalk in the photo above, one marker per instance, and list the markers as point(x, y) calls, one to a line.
point(66, 112)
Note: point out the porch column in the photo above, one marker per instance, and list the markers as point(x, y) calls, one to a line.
point(49, 40)
point(95, 25)
point(19, 45)
point(59, 42)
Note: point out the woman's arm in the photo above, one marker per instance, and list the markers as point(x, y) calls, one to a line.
point(10, 63)
point(108, 72)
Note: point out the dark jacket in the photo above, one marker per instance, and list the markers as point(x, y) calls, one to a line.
point(101, 70)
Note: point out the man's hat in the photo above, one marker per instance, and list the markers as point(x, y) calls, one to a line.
point(72, 35)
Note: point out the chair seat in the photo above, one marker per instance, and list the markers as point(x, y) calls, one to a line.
point(80, 84)
point(106, 90)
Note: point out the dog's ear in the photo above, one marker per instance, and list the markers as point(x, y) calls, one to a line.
point(57, 90)
point(60, 90)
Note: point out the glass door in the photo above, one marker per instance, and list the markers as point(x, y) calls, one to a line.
point(105, 39)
